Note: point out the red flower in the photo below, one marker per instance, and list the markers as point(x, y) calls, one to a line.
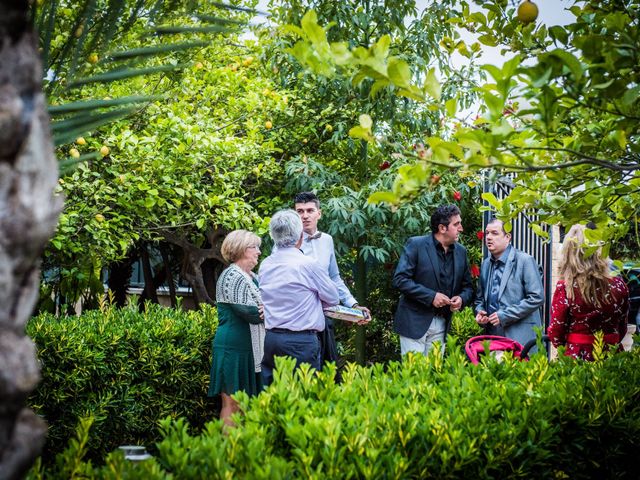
point(475, 271)
point(457, 196)
point(384, 165)
point(480, 235)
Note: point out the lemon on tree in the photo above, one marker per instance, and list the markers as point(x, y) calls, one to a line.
point(81, 141)
point(527, 12)
point(74, 153)
point(104, 151)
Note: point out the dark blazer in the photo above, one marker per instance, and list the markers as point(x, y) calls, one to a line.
point(519, 298)
point(417, 278)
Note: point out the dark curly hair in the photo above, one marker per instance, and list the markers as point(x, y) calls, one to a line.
point(442, 216)
point(306, 197)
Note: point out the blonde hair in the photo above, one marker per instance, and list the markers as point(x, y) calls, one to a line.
point(235, 244)
point(588, 273)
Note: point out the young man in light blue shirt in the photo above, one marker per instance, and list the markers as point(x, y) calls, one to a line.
point(294, 290)
point(319, 245)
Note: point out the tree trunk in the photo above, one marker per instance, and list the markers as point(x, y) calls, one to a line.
point(169, 275)
point(149, 283)
point(194, 257)
point(119, 277)
point(28, 216)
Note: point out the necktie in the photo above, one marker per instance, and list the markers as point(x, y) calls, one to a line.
point(313, 237)
point(495, 286)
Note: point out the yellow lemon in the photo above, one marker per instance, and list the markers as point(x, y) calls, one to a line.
point(74, 153)
point(328, 127)
point(81, 141)
point(104, 150)
point(527, 12)
point(99, 217)
point(93, 58)
point(268, 125)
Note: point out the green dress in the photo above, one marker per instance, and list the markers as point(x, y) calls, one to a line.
point(233, 365)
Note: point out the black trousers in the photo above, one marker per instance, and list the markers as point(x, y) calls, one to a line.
point(303, 346)
point(328, 346)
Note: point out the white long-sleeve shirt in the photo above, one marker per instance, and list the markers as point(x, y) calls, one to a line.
point(323, 251)
point(294, 289)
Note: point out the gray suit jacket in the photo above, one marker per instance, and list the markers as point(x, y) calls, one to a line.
point(417, 278)
point(520, 297)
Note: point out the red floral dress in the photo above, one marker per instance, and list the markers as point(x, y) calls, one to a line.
point(570, 317)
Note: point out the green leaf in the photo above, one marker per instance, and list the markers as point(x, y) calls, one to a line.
point(572, 63)
point(432, 85)
point(537, 229)
point(399, 73)
point(383, 197)
point(360, 132)
point(491, 199)
point(559, 33)
point(451, 106)
point(631, 96)
point(314, 32)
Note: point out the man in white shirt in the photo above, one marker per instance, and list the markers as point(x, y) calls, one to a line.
point(319, 245)
point(294, 290)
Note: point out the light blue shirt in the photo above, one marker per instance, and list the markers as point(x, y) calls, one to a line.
point(294, 289)
point(322, 250)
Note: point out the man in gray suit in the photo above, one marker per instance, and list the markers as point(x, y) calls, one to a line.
point(434, 279)
point(510, 294)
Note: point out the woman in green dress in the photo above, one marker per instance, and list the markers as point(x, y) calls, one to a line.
point(239, 340)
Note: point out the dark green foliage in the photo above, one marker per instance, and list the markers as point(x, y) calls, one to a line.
point(424, 418)
point(126, 369)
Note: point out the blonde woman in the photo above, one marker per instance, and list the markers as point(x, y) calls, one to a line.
point(239, 341)
point(587, 300)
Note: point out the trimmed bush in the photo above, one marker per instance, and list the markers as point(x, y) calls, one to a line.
point(127, 369)
point(423, 418)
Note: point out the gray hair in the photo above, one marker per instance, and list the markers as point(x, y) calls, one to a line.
point(285, 228)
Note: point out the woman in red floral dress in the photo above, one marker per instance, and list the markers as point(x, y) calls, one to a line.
point(587, 300)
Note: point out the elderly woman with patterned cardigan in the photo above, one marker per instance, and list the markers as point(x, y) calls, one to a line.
point(239, 341)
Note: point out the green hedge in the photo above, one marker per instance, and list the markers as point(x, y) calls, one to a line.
point(127, 369)
point(424, 418)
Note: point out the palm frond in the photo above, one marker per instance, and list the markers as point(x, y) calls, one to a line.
point(121, 74)
point(155, 50)
point(65, 131)
point(92, 105)
point(74, 34)
point(68, 164)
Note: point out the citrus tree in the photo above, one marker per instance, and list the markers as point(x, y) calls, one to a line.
point(560, 117)
point(184, 170)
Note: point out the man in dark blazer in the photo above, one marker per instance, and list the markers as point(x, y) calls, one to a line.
point(510, 295)
point(434, 279)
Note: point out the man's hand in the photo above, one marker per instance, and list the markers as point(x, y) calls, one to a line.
point(482, 318)
point(441, 300)
point(493, 319)
point(367, 315)
point(456, 303)
point(261, 311)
